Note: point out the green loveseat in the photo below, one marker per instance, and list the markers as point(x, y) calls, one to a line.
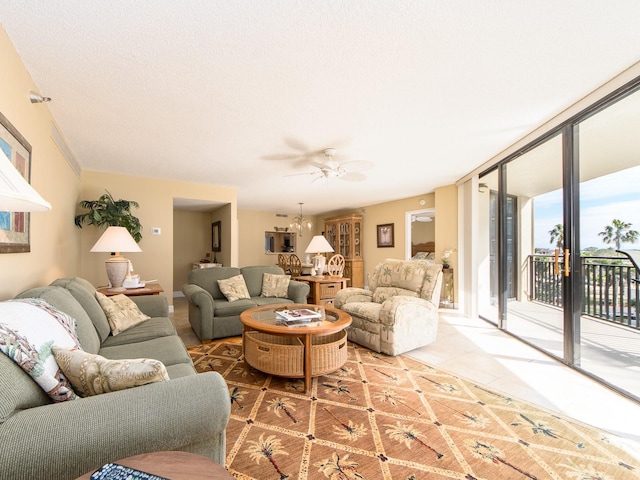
point(41, 439)
point(212, 316)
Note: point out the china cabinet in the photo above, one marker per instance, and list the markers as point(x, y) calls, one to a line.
point(344, 234)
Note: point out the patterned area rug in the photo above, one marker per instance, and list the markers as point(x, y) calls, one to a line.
point(383, 417)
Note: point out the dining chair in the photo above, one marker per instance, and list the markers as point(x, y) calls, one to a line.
point(283, 262)
point(295, 265)
point(335, 267)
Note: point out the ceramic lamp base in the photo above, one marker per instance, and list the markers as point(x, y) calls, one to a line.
point(117, 268)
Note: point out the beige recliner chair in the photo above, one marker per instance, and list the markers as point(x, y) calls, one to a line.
point(399, 312)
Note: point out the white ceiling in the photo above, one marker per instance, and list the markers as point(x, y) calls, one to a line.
point(229, 92)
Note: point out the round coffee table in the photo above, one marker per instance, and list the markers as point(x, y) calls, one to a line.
point(278, 341)
point(176, 465)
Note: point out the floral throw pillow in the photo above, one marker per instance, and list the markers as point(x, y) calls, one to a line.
point(29, 328)
point(93, 374)
point(274, 285)
point(122, 312)
point(234, 288)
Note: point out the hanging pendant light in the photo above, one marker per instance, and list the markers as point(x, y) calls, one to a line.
point(300, 223)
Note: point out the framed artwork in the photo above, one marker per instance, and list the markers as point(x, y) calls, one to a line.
point(385, 235)
point(215, 236)
point(14, 226)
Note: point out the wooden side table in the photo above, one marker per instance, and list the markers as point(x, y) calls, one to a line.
point(174, 465)
point(148, 289)
point(323, 289)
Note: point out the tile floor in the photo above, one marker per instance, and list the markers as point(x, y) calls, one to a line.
point(474, 349)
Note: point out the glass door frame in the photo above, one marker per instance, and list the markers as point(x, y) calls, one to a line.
point(572, 284)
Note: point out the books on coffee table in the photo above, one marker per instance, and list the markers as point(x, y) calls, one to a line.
point(299, 316)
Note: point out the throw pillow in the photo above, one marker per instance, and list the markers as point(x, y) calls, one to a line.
point(29, 328)
point(234, 288)
point(122, 312)
point(275, 285)
point(93, 374)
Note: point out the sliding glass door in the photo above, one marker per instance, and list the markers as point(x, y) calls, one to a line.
point(556, 214)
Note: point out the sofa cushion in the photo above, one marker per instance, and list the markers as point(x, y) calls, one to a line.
point(275, 285)
point(169, 350)
point(234, 288)
point(93, 374)
point(29, 328)
point(253, 276)
point(225, 308)
point(365, 310)
point(62, 299)
point(85, 294)
point(155, 327)
point(122, 313)
point(402, 274)
point(384, 293)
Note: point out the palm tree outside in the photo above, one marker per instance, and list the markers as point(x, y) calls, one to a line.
point(619, 232)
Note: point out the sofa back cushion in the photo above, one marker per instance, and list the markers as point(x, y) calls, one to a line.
point(253, 277)
point(207, 278)
point(432, 270)
point(85, 294)
point(407, 275)
point(62, 299)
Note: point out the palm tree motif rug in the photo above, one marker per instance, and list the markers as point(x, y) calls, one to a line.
point(381, 417)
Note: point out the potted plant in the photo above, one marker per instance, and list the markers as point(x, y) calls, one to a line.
point(106, 212)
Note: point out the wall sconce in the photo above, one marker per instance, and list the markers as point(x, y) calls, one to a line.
point(37, 98)
point(483, 187)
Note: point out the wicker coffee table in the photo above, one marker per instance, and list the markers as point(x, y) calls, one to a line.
point(295, 352)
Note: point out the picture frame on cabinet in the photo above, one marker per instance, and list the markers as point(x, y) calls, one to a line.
point(385, 235)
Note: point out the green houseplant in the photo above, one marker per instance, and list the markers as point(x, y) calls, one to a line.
point(106, 212)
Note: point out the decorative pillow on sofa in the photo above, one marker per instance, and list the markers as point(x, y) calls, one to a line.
point(275, 285)
point(234, 288)
point(122, 312)
point(29, 328)
point(93, 374)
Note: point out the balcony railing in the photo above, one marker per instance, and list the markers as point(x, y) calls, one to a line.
point(610, 288)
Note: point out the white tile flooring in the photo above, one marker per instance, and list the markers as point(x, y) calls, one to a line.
point(475, 349)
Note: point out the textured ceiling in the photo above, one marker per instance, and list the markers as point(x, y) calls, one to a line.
point(238, 93)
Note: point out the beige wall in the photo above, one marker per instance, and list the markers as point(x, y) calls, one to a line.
point(156, 210)
point(191, 242)
point(54, 238)
point(422, 232)
point(446, 203)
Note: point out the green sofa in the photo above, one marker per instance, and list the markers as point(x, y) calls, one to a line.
point(41, 439)
point(212, 316)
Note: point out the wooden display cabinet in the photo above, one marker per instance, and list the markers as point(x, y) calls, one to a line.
point(344, 234)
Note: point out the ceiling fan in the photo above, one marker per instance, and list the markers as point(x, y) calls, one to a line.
point(331, 168)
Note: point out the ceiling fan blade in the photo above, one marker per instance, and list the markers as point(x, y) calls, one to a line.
point(353, 177)
point(303, 173)
point(357, 165)
point(282, 156)
point(320, 165)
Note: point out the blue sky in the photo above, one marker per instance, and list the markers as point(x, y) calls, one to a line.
point(601, 200)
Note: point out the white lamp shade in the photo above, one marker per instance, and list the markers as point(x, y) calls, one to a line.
point(16, 195)
point(116, 239)
point(318, 244)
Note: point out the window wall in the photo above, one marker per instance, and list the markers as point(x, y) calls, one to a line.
point(555, 213)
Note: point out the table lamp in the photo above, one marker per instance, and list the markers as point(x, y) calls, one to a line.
point(116, 239)
point(318, 245)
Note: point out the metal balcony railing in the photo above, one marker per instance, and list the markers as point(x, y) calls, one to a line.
point(610, 288)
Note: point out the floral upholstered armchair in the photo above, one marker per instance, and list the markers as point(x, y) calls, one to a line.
point(399, 312)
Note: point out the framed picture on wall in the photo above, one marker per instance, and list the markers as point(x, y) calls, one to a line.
point(14, 226)
point(385, 235)
point(215, 236)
